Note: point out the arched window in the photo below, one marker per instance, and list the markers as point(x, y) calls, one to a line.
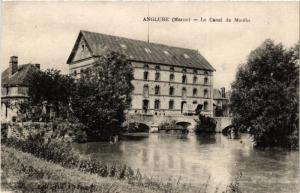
point(195, 71)
point(172, 69)
point(171, 77)
point(183, 92)
point(184, 70)
point(156, 90)
point(184, 78)
point(157, 76)
point(195, 79)
point(146, 66)
point(205, 106)
point(205, 93)
point(157, 68)
point(195, 91)
point(156, 104)
point(205, 80)
point(146, 91)
point(171, 104)
point(75, 73)
point(171, 91)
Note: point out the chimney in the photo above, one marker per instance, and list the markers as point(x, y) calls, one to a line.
point(223, 92)
point(38, 66)
point(13, 65)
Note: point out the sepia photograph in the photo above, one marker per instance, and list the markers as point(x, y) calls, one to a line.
point(149, 96)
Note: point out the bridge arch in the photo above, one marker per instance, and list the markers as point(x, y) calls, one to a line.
point(138, 127)
point(183, 124)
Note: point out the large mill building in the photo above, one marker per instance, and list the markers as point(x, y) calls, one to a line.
point(167, 81)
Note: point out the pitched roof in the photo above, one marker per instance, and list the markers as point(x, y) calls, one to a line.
point(137, 50)
point(20, 77)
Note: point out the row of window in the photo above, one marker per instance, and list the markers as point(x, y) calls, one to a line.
point(172, 91)
point(184, 70)
point(171, 104)
point(172, 78)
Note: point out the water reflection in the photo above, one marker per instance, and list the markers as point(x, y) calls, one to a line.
point(198, 158)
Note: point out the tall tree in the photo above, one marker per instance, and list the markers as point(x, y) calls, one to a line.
point(103, 94)
point(51, 86)
point(265, 95)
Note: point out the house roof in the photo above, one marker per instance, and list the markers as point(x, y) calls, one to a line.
point(20, 77)
point(137, 50)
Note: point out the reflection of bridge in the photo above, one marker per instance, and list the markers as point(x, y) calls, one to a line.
point(186, 122)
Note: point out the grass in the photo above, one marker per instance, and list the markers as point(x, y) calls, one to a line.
point(34, 165)
point(23, 172)
point(26, 173)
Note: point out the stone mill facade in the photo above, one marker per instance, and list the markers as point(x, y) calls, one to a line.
point(168, 80)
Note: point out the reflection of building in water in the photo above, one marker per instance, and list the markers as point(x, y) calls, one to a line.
point(168, 80)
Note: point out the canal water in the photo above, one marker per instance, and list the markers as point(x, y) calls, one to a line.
point(200, 159)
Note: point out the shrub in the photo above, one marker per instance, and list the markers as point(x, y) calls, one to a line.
point(135, 127)
point(25, 173)
point(205, 124)
point(62, 153)
point(167, 125)
point(4, 129)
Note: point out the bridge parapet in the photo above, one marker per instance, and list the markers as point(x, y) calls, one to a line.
point(153, 121)
point(222, 122)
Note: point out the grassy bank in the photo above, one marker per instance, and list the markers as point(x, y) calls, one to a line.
point(23, 172)
point(35, 165)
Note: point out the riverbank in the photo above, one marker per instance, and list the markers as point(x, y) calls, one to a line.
point(23, 172)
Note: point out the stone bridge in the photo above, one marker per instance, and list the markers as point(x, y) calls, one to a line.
point(189, 122)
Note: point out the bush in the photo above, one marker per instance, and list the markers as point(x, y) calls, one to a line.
point(167, 125)
point(135, 127)
point(205, 125)
point(63, 154)
point(4, 129)
point(23, 172)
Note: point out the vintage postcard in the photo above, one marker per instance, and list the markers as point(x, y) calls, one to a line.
point(134, 97)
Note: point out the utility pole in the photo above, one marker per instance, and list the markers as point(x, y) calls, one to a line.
point(148, 26)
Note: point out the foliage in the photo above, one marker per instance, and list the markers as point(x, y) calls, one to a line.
point(51, 86)
point(45, 174)
point(205, 124)
point(103, 93)
point(62, 130)
point(265, 95)
point(234, 187)
point(135, 127)
point(74, 130)
point(167, 125)
point(62, 153)
point(22, 172)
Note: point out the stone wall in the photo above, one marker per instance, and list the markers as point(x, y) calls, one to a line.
point(222, 122)
point(47, 130)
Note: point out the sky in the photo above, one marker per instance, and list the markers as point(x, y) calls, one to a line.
point(45, 32)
